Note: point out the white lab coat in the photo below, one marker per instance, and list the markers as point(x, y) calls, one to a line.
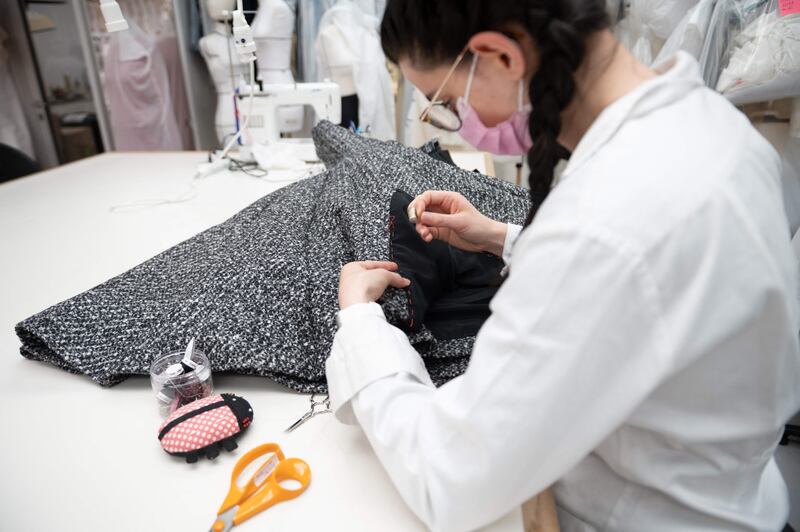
point(642, 355)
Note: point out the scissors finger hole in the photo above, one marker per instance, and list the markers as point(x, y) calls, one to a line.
point(290, 484)
point(258, 470)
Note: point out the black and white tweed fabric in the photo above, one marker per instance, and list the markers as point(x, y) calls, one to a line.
point(259, 291)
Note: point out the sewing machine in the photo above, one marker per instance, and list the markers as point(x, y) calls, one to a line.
point(265, 124)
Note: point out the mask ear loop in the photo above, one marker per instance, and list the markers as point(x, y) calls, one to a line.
point(520, 96)
point(470, 77)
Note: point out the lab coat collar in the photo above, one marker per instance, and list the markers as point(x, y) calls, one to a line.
point(678, 76)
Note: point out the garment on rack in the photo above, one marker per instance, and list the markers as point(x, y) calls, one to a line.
point(690, 34)
point(168, 46)
point(139, 94)
point(661, 16)
point(309, 14)
point(195, 24)
point(260, 290)
point(13, 127)
point(647, 24)
point(764, 60)
point(350, 54)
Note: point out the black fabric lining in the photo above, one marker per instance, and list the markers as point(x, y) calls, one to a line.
point(178, 420)
point(433, 149)
point(450, 289)
point(349, 110)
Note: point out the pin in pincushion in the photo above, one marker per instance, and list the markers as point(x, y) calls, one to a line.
point(203, 426)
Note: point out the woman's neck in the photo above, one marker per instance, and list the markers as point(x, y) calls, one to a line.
point(608, 73)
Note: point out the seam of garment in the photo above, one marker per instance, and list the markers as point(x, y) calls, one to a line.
point(623, 121)
point(612, 522)
point(649, 285)
point(583, 522)
point(730, 160)
point(407, 290)
point(637, 249)
point(753, 233)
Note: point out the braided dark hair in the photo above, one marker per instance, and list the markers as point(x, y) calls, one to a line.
point(431, 33)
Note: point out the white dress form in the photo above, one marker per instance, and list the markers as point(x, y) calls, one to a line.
point(227, 72)
point(349, 53)
point(336, 59)
point(273, 27)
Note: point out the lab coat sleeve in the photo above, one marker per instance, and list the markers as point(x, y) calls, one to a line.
point(512, 233)
point(366, 348)
point(574, 343)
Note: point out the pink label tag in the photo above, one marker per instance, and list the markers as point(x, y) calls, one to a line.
point(789, 7)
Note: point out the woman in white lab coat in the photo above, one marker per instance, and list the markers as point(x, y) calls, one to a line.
point(642, 354)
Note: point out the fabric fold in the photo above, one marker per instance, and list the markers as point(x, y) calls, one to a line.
point(260, 293)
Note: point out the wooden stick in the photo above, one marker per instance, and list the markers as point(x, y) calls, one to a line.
point(539, 513)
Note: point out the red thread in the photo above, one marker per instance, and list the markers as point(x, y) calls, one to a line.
point(410, 303)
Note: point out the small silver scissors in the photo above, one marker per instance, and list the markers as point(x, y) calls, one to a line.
point(317, 407)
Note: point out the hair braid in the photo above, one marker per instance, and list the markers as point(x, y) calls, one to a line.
point(551, 89)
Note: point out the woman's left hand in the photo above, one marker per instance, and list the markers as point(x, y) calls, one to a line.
point(364, 282)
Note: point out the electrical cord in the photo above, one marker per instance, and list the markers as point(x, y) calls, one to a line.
point(218, 163)
point(250, 99)
point(250, 168)
point(190, 194)
point(243, 41)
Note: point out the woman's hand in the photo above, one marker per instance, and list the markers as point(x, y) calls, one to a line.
point(364, 282)
point(451, 218)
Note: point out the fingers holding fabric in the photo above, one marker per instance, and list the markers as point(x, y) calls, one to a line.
point(374, 264)
point(364, 282)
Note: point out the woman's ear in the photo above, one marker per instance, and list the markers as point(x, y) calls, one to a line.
point(500, 53)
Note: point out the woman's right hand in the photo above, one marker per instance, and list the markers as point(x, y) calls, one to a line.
point(451, 218)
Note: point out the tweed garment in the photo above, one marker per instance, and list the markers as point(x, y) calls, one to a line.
point(259, 291)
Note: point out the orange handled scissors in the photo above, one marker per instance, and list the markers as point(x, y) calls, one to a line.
point(263, 489)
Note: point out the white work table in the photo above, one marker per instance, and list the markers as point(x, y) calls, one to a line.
point(76, 456)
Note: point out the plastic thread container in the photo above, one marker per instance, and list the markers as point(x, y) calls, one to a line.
point(176, 384)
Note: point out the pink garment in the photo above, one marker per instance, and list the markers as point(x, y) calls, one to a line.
point(13, 127)
point(169, 49)
point(138, 93)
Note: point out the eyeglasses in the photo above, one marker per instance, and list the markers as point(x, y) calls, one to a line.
point(441, 114)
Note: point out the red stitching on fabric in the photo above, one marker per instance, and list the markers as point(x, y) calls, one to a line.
point(410, 304)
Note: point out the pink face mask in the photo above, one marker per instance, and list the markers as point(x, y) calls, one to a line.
point(509, 137)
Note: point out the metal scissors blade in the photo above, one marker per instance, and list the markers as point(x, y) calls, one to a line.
point(264, 489)
point(317, 408)
point(224, 521)
point(308, 415)
point(237, 495)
